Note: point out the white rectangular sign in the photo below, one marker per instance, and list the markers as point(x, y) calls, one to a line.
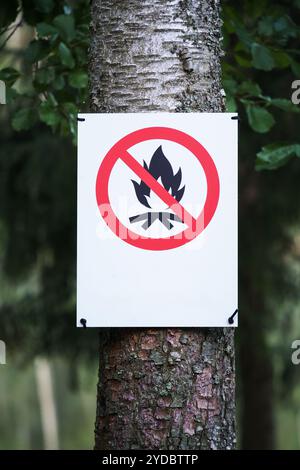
point(157, 219)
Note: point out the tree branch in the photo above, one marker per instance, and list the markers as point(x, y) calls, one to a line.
point(14, 29)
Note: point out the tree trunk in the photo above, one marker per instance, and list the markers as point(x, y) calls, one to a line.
point(161, 388)
point(255, 361)
point(258, 427)
point(47, 403)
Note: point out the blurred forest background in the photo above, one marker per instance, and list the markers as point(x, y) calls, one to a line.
point(48, 387)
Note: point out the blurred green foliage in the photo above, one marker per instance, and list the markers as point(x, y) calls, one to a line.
point(74, 392)
point(260, 38)
point(54, 63)
point(38, 240)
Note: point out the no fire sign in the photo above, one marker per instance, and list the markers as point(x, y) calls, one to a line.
point(157, 219)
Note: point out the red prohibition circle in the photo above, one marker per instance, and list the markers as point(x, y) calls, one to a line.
point(195, 228)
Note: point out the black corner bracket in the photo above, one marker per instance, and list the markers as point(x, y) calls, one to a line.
point(236, 118)
point(231, 318)
point(83, 322)
point(80, 119)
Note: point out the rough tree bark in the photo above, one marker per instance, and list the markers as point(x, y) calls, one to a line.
point(161, 388)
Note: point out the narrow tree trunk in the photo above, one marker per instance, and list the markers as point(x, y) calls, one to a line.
point(258, 427)
point(47, 403)
point(255, 361)
point(161, 388)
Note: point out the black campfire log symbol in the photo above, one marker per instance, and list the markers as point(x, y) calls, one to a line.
point(159, 167)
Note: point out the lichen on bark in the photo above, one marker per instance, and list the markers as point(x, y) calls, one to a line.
point(166, 389)
point(161, 388)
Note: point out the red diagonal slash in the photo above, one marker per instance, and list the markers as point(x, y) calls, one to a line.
point(161, 192)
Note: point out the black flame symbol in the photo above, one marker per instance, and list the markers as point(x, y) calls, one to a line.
point(160, 167)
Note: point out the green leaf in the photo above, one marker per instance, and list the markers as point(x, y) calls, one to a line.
point(70, 127)
point(49, 113)
point(243, 60)
point(265, 26)
point(81, 55)
point(250, 88)
point(262, 58)
point(66, 55)
point(231, 105)
point(234, 24)
point(45, 30)
point(66, 27)
point(24, 119)
point(281, 59)
point(285, 105)
point(230, 85)
point(275, 155)
point(11, 95)
point(51, 99)
point(285, 26)
point(59, 83)
point(45, 76)
point(37, 50)
point(68, 9)
point(78, 79)
point(9, 75)
point(70, 109)
point(260, 120)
